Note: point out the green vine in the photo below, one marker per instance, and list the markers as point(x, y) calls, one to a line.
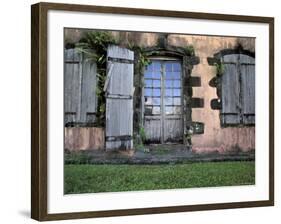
point(94, 46)
point(189, 50)
point(143, 59)
point(188, 135)
point(220, 67)
point(139, 140)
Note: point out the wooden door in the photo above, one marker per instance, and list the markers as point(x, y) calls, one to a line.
point(163, 120)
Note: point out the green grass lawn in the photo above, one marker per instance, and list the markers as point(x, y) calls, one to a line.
point(113, 178)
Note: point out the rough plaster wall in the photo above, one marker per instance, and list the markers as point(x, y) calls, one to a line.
point(214, 138)
point(83, 138)
point(138, 38)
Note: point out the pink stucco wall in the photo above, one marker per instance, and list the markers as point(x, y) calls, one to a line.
point(83, 138)
point(215, 138)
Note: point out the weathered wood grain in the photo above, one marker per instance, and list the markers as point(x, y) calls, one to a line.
point(238, 90)
point(152, 126)
point(119, 99)
point(72, 88)
point(173, 128)
point(88, 92)
point(248, 88)
point(230, 90)
point(80, 80)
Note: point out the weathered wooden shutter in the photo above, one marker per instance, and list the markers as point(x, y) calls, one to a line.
point(230, 112)
point(88, 93)
point(79, 89)
point(119, 98)
point(72, 87)
point(247, 67)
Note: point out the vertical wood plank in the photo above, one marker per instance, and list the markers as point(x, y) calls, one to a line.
point(89, 98)
point(230, 90)
point(80, 100)
point(152, 126)
point(71, 86)
point(248, 88)
point(119, 99)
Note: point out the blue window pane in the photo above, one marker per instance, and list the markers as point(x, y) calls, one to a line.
point(156, 66)
point(157, 75)
point(176, 67)
point(177, 83)
point(147, 92)
point(168, 110)
point(149, 67)
point(169, 75)
point(148, 74)
point(156, 110)
point(168, 101)
point(156, 83)
point(168, 92)
point(177, 101)
point(176, 75)
point(177, 92)
point(156, 92)
point(156, 101)
point(168, 66)
point(148, 83)
point(168, 84)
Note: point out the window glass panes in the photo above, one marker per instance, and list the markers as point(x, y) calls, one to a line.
point(147, 92)
point(156, 83)
point(156, 110)
point(168, 92)
point(176, 75)
point(156, 75)
point(177, 83)
point(169, 66)
point(176, 67)
point(148, 74)
point(156, 92)
point(177, 101)
point(177, 92)
point(156, 66)
point(156, 101)
point(148, 83)
point(168, 101)
point(163, 77)
point(168, 110)
point(168, 83)
point(149, 67)
point(169, 75)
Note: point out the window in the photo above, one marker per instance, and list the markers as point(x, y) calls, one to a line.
point(162, 87)
point(163, 121)
point(238, 90)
